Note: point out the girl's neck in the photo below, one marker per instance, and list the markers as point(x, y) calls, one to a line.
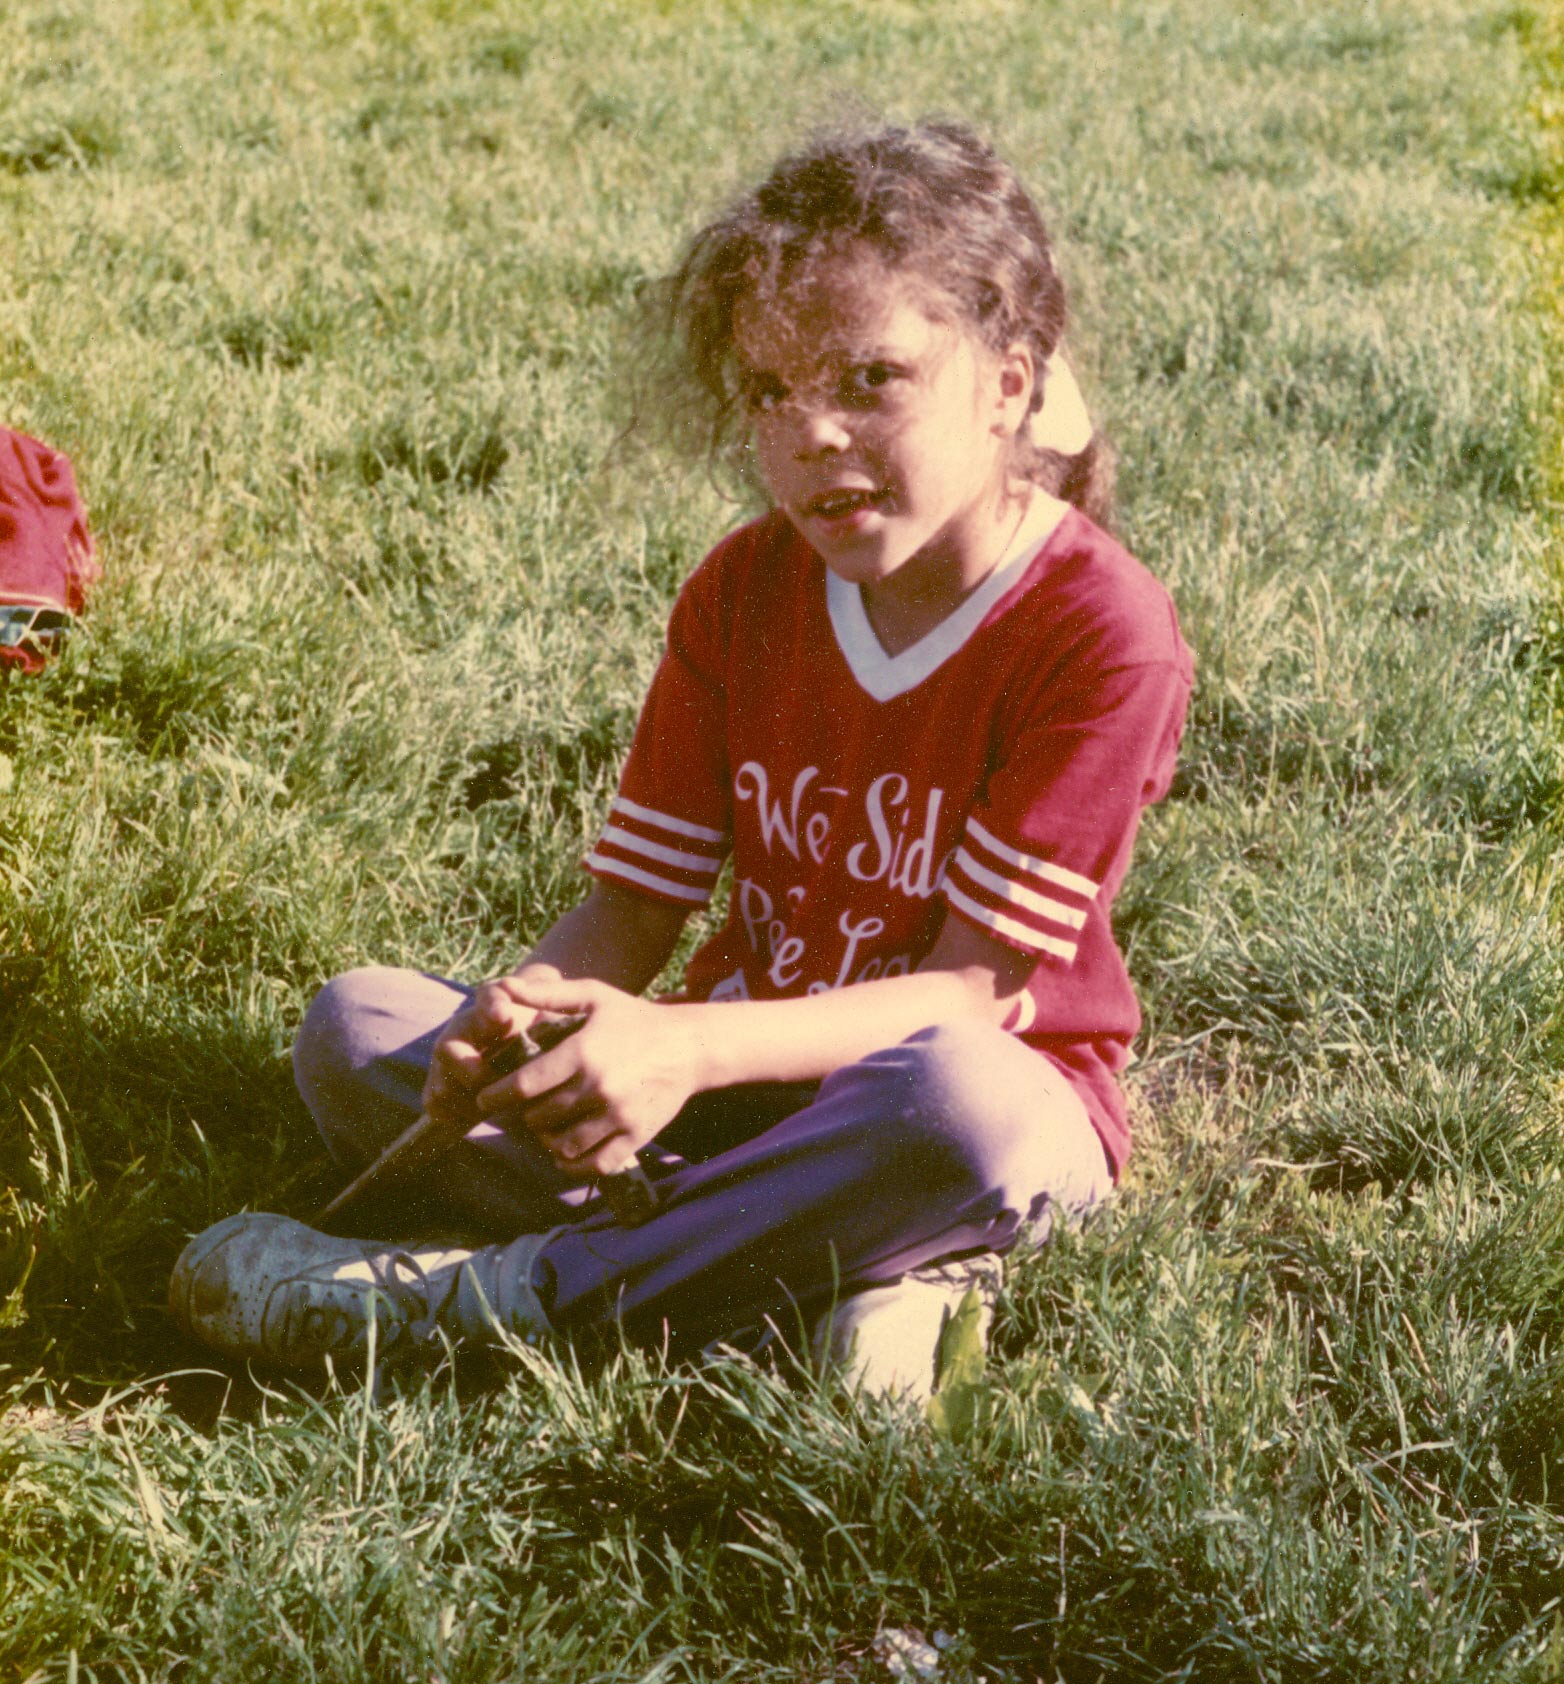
point(903, 609)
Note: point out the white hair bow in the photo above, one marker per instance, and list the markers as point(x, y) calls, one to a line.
point(1062, 423)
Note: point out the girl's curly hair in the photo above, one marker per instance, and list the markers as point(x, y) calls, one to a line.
point(932, 200)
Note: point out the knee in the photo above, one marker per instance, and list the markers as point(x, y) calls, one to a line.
point(334, 1038)
point(362, 1017)
point(988, 1105)
point(361, 1055)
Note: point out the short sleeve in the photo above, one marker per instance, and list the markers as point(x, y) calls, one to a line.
point(669, 828)
point(1049, 843)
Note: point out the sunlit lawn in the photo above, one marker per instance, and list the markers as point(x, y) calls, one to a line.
point(327, 304)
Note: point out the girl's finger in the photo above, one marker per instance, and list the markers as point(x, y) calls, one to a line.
point(489, 1011)
point(537, 1077)
point(561, 1108)
point(514, 983)
point(494, 1014)
point(578, 1147)
point(564, 996)
point(461, 1059)
point(454, 1070)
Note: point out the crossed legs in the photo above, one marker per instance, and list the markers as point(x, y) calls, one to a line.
point(770, 1198)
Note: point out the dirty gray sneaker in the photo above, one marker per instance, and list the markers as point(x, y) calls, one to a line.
point(269, 1289)
point(886, 1339)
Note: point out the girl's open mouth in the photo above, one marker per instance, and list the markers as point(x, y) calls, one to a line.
point(843, 505)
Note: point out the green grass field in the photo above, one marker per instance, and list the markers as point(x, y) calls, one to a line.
point(326, 301)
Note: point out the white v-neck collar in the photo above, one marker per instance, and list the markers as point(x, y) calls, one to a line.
point(887, 676)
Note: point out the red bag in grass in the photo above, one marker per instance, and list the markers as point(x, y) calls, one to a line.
point(46, 560)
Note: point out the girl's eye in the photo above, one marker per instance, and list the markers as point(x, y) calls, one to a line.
point(864, 383)
point(763, 393)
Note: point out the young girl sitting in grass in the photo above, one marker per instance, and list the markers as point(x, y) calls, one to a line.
point(919, 705)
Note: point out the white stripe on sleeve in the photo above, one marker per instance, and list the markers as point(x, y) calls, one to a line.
point(1034, 940)
point(656, 851)
point(647, 879)
point(1049, 872)
point(1072, 917)
point(666, 821)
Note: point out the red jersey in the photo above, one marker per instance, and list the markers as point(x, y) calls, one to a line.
point(994, 771)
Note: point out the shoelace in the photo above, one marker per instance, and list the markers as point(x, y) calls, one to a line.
point(419, 1328)
point(328, 1325)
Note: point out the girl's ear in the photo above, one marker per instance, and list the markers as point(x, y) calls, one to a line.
point(1015, 377)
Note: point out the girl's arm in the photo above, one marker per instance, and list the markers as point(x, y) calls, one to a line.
point(595, 1099)
point(967, 974)
point(615, 935)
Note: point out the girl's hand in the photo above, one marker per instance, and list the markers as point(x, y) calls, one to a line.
point(458, 1067)
point(600, 1095)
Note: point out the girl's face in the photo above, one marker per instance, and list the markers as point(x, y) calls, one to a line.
point(883, 431)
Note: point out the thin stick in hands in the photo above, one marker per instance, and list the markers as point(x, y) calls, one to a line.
point(425, 1141)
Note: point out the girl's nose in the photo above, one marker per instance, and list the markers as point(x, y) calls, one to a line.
point(820, 430)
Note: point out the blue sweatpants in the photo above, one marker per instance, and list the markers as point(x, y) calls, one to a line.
point(771, 1199)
